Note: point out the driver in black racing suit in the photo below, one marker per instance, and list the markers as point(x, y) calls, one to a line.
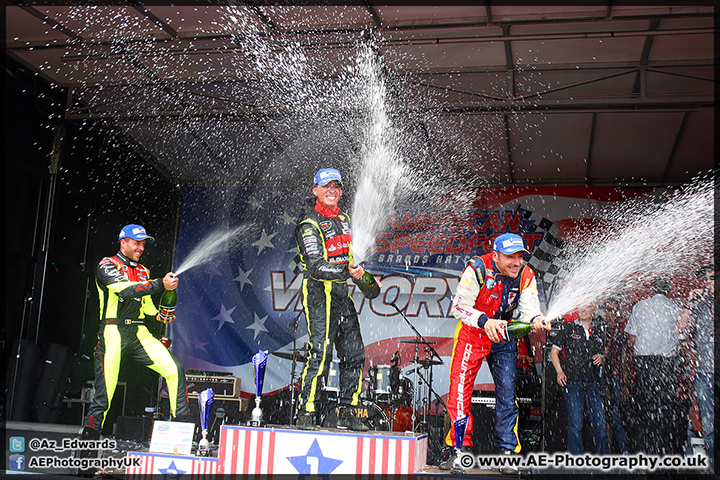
point(125, 289)
point(324, 242)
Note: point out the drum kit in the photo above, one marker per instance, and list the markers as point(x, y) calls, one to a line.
point(392, 401)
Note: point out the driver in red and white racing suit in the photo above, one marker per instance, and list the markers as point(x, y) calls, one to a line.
point(493, 289)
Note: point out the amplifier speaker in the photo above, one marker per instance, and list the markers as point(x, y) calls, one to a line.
point(555, 426)
point(52, 384)
point(138, 429)
point(483, 434)
point(21, 376)
point(223, 386)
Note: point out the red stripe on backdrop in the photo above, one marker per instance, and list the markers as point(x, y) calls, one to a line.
point(259, 452)
point(271, 453)
point(221, 450)
point(411, 458)
point(381, 352)
point(398, 457)
point(246, 453)
point(385, 458)
point(492, 198)
point(371, 455)
point(359, 457)
point(234, 461)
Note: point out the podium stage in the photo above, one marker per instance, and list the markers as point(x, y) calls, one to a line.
point(282, 450)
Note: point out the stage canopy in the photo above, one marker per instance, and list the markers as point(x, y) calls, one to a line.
point(616, 95)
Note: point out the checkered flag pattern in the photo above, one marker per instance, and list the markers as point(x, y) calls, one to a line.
point(296, 265)
point(546, 256)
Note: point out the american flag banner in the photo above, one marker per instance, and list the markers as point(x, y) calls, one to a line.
point(246, 298)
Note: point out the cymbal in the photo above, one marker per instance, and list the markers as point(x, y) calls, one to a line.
point(426, 362)
point(417, 340)
point(290, 356)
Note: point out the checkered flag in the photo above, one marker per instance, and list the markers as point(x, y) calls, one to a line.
point(295, 265)
point(546, 256)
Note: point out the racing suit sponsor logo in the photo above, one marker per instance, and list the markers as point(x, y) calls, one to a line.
point(108, 267)
point(340, 259)
point(345, 225)
point(338, 245)
point(312, 246)
point(326, 224)
point(467, 353)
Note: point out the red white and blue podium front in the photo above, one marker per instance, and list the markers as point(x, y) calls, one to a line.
point(280, 450)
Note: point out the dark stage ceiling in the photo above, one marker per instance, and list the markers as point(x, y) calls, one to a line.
point(499, 95)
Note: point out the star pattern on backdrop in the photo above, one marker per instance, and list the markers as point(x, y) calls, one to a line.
point(258, 326)
point(224, 316)
point(213, 270)
point(198, 345)
point(287, 218)
point(325, 465)
point(171, 471)
point(243, 278)
point(264, 241)
point(193, 306)
point(256, 203)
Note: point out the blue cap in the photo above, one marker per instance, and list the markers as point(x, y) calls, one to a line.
point(136, 232)
point(327, 175)
point(509, 243)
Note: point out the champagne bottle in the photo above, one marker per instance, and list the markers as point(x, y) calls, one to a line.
point(168, 303)
point(368, 285)
point(516, 330)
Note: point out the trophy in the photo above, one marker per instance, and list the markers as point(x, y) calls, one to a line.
point(460, 424)
point(205, 399)
point(259, 361)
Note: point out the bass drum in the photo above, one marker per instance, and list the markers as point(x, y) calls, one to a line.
point(368, 412)
point(400, 418)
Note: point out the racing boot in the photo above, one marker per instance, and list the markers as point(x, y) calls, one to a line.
point(348, 421)
point(305, 420)
point(451, 452)
point(509, 469)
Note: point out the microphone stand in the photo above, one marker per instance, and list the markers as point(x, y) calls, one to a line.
point(429, 349)
point(294, 326)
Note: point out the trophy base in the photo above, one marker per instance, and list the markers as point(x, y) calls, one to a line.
point(255, 423)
